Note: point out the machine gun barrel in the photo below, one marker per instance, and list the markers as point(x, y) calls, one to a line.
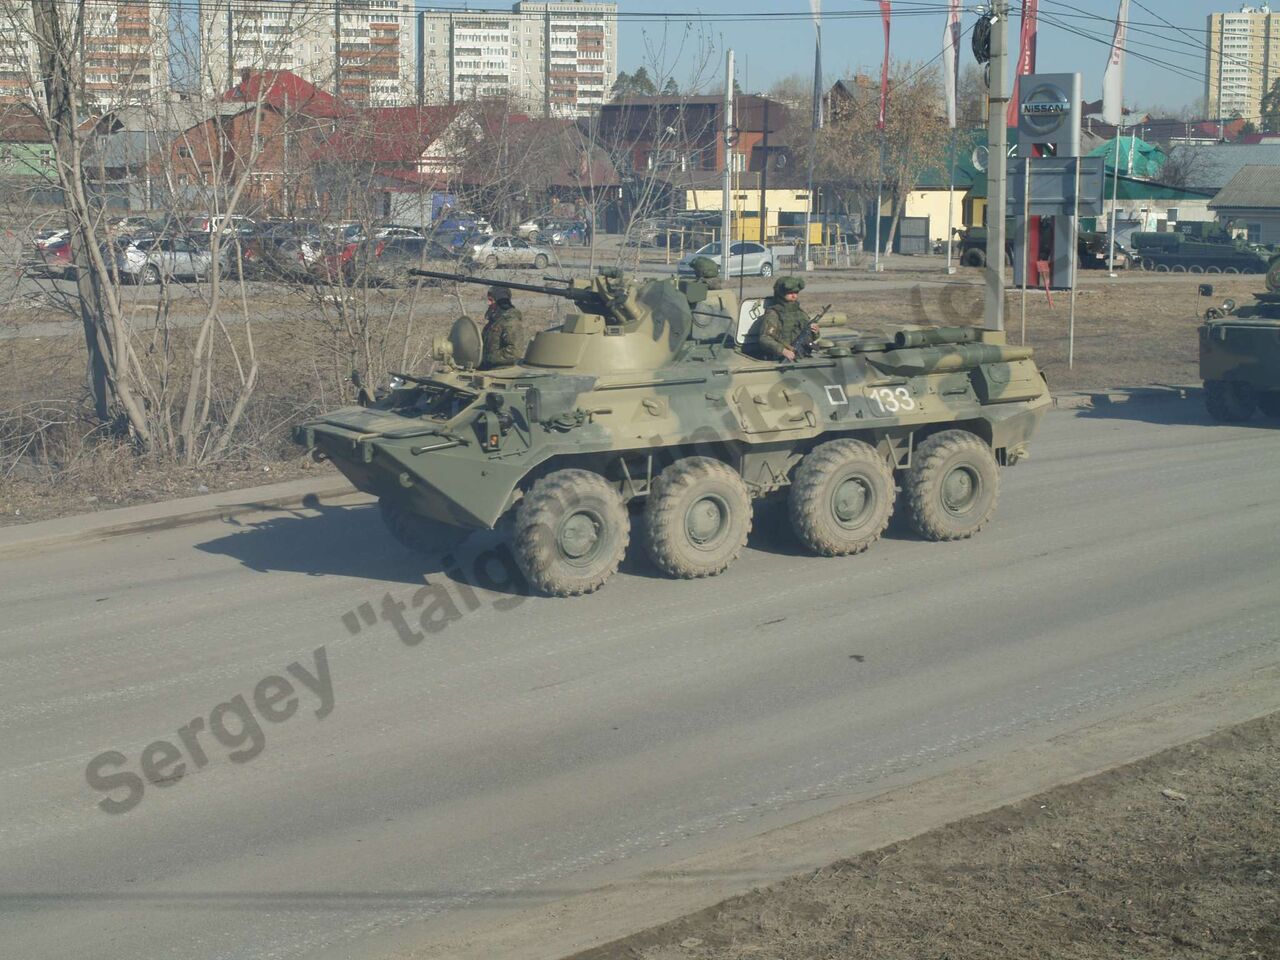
point(569, 293)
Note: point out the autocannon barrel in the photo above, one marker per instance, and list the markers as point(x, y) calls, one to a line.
point(568, 292)
point(935, 336)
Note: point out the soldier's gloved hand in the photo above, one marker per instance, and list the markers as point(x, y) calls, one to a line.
point(788, 353)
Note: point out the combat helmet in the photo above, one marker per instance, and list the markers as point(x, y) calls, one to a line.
point(704, 268)
point(785, 285)
point(499, 294)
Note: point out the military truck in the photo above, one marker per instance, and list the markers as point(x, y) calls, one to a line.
point(647, 408)
point(1203, 251)
point(1240, 355)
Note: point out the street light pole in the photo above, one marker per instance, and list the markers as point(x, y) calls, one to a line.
point(997, 164)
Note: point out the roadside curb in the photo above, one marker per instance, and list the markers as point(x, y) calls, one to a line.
point(1089, 399)
point(168, 514)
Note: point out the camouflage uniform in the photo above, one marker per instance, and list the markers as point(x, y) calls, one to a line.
point(503, 334)
point(781, 322)
point(707, 271)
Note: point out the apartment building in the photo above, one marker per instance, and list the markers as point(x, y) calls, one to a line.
point(123, 56)
point(1242, 60)
point(360, 50)
point(547, 58)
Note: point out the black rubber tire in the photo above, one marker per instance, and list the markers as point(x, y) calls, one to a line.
point(1213, 269)
point(766, 269)
point(1273, 277)
point(1269, 404)
point(490, 262)
point(819, 481)
point(722, 498)
point(973, 258)
point(934, 462)
point(1179, 268)
point(150, 275)
point(1229, 401)
point(570, 502)
point(540, 262)
point(1148, 265)
point(417, 533)
point(1231, 271)
point(1162, 268)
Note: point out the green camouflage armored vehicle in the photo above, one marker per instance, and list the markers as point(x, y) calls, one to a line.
point(1203, 251)
point(1240, 355)
point(646, 409)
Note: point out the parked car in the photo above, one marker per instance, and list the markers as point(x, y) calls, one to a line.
point(391, 231)
point(244, 226)
point(286, 250)
point(529, 230)
point(462, 220)
point(53, 260)
point(504, 250)
point(50, 235)
point(394, 258)
point(566, 232)
point(746, 259)
point(135, 227)
point(151, 259)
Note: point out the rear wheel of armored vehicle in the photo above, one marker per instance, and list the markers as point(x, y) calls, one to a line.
point(841, 498)
point(571, 533)
point(697, 518)
point(952, 486)
point(418, 533)
point(974, 258)
point(1269, 404)
point(1229, 401)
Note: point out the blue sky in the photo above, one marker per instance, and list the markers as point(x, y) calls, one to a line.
point(770, 49)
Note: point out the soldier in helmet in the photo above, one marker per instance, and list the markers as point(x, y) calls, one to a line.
point(783, 320)
point(503, 333)
point(707, 271)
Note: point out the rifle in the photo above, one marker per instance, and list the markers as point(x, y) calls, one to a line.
point(802, 345)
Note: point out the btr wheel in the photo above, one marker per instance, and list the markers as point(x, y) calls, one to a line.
point(841, 498)
point(540, 262)
point(766, 269)
point(417, 533)
point(697, 519)
point(1229, 401)
point(1269, 404)
point(952, 486)
point(571, 533)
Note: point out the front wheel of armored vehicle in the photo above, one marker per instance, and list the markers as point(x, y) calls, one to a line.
point(841, 498)
point(697, 518)
point(571, 533)
point(952, 486)
point(1229, 401)
point(1269, 404)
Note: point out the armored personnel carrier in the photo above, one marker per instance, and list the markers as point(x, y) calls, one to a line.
point(1205, 252)
point(645, 412)
point(1240, 355)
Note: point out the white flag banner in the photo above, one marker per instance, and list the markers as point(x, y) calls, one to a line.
point(951, 60)
point(1113, 77)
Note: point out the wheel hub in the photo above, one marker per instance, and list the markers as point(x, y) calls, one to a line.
point(959, 488)
point(849, 502)
point(705, 520)
point(579, 536)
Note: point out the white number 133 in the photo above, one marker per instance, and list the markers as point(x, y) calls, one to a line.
point(887, 400)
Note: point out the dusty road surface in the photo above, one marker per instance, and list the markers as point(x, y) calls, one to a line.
point(323, 782)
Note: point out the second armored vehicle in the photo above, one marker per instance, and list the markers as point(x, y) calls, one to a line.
point(648, 408)
point(1240, 355)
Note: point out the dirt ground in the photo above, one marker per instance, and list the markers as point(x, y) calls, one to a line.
point(1133, 331)
point(1176, 856)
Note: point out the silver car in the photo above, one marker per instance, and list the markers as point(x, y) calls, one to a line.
point(148, 260)
point(746, 259)
point(504, 250)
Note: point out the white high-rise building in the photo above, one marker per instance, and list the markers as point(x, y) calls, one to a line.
point(360, 50)
point(122, 59)
point(555, 59)
point(1243, 61)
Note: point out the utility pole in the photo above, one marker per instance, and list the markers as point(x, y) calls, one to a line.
point(337, 49)
point(764, 177)
point(997, 164)
point(726, 197)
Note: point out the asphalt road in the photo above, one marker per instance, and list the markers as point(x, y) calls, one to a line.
point(533, 747)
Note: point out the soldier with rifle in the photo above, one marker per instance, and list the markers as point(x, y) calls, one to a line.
point(503, 333)
point(785, 329)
